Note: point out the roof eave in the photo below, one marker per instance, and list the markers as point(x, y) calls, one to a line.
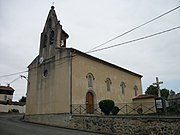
point(104, 62)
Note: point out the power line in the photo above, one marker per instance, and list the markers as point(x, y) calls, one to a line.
point(21, 76)
point(13, 74)
point(134, 40)
point(91, 50)
point(134, 28)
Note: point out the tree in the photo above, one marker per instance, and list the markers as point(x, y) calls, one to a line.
point(172, 93)
point(164, 93)
point(23, 99)
point(154, 91)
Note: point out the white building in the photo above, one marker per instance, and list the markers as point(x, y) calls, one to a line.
point(6, 94)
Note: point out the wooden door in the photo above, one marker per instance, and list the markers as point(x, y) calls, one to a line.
point(89, 103)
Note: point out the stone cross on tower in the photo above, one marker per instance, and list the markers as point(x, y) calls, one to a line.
point(158, 87)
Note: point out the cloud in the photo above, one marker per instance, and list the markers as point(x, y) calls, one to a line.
point(90, 23)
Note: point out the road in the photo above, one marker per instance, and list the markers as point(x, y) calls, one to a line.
point(10, 124)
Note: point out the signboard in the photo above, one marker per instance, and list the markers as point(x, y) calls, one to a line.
point(159, 104)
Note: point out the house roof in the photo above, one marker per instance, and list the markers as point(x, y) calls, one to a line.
point(144, 97)
point(103, 62)
point(6, 88)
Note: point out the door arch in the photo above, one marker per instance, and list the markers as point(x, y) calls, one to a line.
point(89, 102)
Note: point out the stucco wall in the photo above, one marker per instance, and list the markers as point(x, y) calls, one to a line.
point(147, 105)
point(82, 66)
point(49, 94)
point(52, 94)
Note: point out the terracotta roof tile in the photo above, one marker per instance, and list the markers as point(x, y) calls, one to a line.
point(144, 97)
point(6, 88)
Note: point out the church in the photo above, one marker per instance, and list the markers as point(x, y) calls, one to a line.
point(61, 78)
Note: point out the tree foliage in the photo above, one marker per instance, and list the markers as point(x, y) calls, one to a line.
point(154, 91)
point(165, 93)
point(23, 99)
point(172, 93)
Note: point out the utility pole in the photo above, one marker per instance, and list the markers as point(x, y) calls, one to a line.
point(158, 87)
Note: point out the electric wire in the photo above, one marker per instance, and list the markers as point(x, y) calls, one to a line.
point(17, 73)
point(135, 28)
point(127, 42)
point(134, 40)
point(13, 74)
point(91, 50)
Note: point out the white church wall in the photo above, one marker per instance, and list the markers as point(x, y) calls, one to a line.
point(6, 108)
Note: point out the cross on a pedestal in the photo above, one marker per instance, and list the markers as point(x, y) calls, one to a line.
point(158, 87)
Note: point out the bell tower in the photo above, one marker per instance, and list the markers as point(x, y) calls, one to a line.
point(52, 37)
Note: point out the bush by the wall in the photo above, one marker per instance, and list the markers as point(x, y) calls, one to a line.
point(115, 110)
point(106, 106)
point(139, 110)
point(13, 111)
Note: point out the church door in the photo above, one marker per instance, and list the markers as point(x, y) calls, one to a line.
point(89, 103)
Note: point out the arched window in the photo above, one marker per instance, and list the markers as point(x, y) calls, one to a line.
point(51, 37)
point(49, 23)
point(62, 43)
point(45, 41)
point(108, 83)
point(122, 86)
point(90, 78)
point(135, 90)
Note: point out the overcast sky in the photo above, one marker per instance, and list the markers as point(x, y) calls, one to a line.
point(90, 23)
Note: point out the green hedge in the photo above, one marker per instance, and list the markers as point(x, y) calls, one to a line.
point(115, 110)
point(106, 106)
point(13, 111)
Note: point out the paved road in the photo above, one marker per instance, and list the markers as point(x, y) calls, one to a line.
point(12, 125)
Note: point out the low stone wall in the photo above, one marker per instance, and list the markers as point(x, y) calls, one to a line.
point(6, 108)
point(111, 124)
point(61, 120)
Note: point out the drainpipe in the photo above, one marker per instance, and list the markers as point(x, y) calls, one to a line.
point(70, 81)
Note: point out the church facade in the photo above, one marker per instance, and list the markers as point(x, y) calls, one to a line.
point(60, 77)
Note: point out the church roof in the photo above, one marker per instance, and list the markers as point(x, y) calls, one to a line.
point(103, 62)
point(52, 15)
point(95, 59)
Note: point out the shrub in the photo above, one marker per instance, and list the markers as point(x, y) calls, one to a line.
point(13, 111)
point(115, 110)
point(172, 109)
point(106, 106)
point(139, 110)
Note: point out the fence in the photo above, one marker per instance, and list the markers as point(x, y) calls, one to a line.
point(124, 108)
point(146, 108)
point(84, 109)
point(136, 108)
point(173, 106)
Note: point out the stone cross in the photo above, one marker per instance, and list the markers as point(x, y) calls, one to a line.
point(158, 87)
